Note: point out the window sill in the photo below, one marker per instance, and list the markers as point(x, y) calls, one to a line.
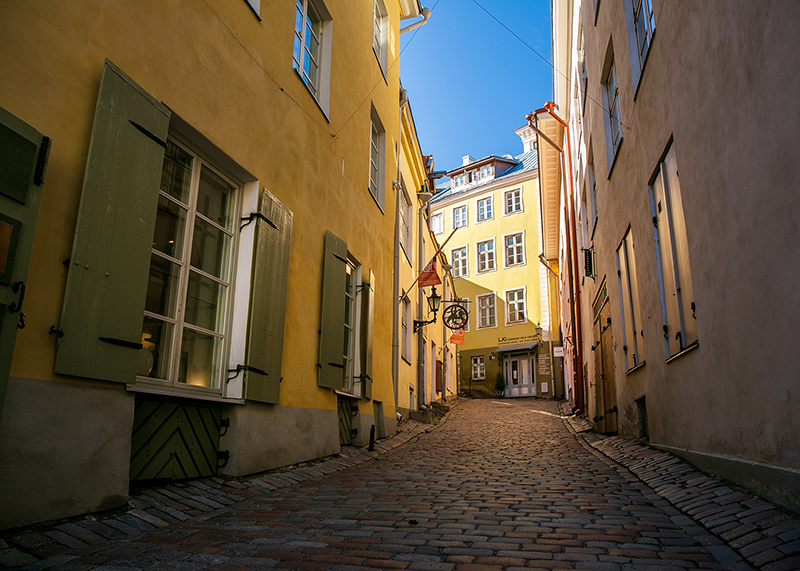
point(381, 65)
point(636, 368)
point(683, 352)
point(311, 93)
point(513, 213)
point(170, 392)
point(614, 157)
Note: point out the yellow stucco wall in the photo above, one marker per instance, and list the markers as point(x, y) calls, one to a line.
point(229, 76)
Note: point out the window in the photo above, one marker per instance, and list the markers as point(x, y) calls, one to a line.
point(515, 306)
point(478, 368)
point(459, 257)
point(190, 273)
point(473, 176)
point(377, 142)
point(515, 249)
point(380, 33)
point(613, 115)
point(406, 217)
point(672, 248)
point(644, 23)
point(349, 347)
point(458, 180)
point(485, 209)
point(406, 333)
point(629, 302)
point(486, 256)
point(486, 311)
point(513, 201)
point(486, 171)
point(311, 53)
point(460, 216)
point(437, 223)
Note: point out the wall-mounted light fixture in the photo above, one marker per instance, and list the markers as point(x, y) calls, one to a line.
point(434, 302)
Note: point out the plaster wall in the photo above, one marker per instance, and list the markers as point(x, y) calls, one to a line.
point(715, 84)
point(64, 449)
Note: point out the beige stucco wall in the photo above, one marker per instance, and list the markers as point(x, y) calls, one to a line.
point(716, 82)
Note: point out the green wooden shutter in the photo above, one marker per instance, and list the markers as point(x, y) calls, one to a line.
point(23, 160)
point(109, 267)
point(268, 301)
point(331, 333)
point(366, 336)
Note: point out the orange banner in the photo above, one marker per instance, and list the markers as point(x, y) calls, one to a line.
point(457, 338)
point(428, 276)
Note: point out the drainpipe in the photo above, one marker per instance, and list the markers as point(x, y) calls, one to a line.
point(396, 281)
point(572, 243)
point(426, 13)
point(425, 196)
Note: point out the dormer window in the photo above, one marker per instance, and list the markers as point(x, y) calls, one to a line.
point(486, 171)
point(473, 176)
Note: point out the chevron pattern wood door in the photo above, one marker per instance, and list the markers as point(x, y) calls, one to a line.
point(174, 440)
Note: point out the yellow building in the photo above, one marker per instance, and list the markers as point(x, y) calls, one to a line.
point(211, 242)
point(425, 359)
point(491, 206)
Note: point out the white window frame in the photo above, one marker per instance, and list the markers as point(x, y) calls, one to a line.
point(515, 303)
point(377, 158)
point(629, 302)
point(612, 116)
point(315, 22)
point(518, 199)
point(486, 257)
point(437, 223)
point(478, 368)
point(380, 33)
point(460, 216)
point(178, 322)
point(641, 25)
point(672, 253)
point(460, 262)
point(487, 171)
point(255, 5)
point(516, 264)
point(484, 209)
point(405, 353)
point(491, 311)
point(406, 222)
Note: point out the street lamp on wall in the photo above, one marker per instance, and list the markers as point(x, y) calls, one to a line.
point(434, 303)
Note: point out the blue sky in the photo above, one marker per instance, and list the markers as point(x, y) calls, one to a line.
point(470, 82)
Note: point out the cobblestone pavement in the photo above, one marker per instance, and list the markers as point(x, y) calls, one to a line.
point(505, 484)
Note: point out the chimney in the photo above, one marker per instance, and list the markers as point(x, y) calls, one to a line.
point(466, 160)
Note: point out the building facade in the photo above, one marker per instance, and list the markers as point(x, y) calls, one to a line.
point(676, 219)
point(489, 214)
point(207, 289)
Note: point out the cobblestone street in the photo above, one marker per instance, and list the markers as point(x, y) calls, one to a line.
point(498, 485)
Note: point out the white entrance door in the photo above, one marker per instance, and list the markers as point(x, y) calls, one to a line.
point(519, 373)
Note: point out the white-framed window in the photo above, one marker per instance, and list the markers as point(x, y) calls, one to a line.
point(485, 210)
point(485, 252)
point(459, 260)
point(672, 249)
point(406, 329)
point(380, 33)
point(459, 180)
point(514, 249)
point(311, 52)
point(189, 292)
point(473, 176)
point(406, 218)
point(437, 223)
point(478, 368)
point(350, 321)
point(515, 306)
point(460, 216)
point(487, 311)
point(487, 171)
point(512, 201)
point(629, 302)
point(377, 151)
point(613, 115)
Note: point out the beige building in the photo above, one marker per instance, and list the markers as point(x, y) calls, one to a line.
point(209, 285)
point(677, 234)
point(488, 211)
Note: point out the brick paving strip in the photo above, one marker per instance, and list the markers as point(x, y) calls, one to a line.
point(47, 545)
point(502, 503)
point(766, 538)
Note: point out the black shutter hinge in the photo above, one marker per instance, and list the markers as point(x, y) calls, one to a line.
point(666, 332)
point(149, 133)
point(252, 216)
point(41, 162)
point(223, 455)
point(240, 368)
point(121, 342)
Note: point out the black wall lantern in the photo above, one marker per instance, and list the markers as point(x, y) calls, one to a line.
point(434, 302)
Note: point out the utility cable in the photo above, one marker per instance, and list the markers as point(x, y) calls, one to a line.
point(569, 81)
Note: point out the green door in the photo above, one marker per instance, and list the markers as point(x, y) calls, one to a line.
point(23, 160)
